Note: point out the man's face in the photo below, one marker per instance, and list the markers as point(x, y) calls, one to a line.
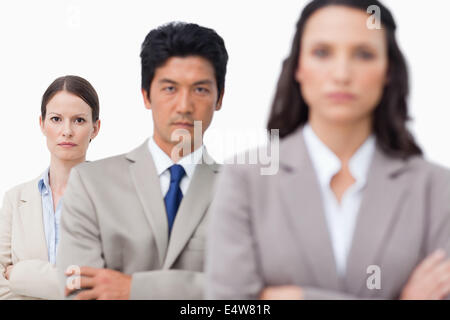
point(182, 91)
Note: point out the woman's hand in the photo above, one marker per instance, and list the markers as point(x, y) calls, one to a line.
point(282, 293)
point(430, 280)
point(8, 271)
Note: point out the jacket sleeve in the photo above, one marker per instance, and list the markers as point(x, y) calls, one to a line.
point(312, 293)
point(35, 278)
point(168, 285)
point(80, 243)
point(5, 247)
point(232, 263)
point(232, 268)
point(438, 231)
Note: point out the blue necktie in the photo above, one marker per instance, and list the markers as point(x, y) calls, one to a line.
point(174, 195)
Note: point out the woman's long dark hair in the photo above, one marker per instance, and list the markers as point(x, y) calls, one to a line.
point(290, 111)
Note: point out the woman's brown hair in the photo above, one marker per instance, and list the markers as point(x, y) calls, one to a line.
point(77, 86)
point(290, 111)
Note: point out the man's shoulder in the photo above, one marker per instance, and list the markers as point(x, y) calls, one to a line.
point(102, 166)
point(110, 164)
point(110, 168)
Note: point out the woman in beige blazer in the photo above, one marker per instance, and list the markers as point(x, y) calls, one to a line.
point(29, 218)
point(354, 210)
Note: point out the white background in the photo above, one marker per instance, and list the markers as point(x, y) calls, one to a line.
point(100, 40)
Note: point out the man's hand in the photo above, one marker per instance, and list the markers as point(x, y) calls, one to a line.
point(101, 284)
point(282, 293)
point(430, 280)
point(8, 271)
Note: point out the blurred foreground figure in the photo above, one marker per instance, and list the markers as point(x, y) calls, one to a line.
point(354, 211)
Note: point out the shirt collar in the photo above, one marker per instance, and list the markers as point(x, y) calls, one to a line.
point(327, 164)
point(43, 183)
point(163, 161)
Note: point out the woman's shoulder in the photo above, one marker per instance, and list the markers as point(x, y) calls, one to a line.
point(421, 163)
point(433, 171)
point(19, 191)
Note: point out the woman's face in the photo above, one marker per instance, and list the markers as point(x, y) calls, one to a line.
point(342, 65)
point(68, 127)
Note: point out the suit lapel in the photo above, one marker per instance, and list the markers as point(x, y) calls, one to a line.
point(192, 208)
point(146, 182)
point(300, 191)
point(381, 200)
point(32, 221)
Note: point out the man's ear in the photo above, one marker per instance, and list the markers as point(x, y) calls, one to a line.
point(146, 97)
point(219, 102)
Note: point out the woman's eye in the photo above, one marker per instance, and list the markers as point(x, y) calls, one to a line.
point(80, 120)
point(365, 55)
point(321, 53)
point(55, 119)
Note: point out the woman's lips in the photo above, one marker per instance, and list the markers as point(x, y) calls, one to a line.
point(341, 96)
point(67, 145)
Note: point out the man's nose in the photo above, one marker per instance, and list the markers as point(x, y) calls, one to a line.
point(185, 103)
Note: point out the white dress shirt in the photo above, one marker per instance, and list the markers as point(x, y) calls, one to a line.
point(163, 163)
point(341, 217)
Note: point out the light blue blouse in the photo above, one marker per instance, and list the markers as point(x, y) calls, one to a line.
point(51, 218)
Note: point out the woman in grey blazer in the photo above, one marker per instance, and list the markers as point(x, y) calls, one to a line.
point(30, 215)
point(354, 210)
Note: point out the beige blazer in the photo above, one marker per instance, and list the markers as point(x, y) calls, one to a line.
point(114, 217)
point(22, 244)
point(271, 230)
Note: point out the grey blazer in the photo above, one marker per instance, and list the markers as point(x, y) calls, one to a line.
point(114, 217)
point(271, 230)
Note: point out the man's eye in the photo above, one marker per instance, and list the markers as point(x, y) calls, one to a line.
point(201, 90)
point(169, 89)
